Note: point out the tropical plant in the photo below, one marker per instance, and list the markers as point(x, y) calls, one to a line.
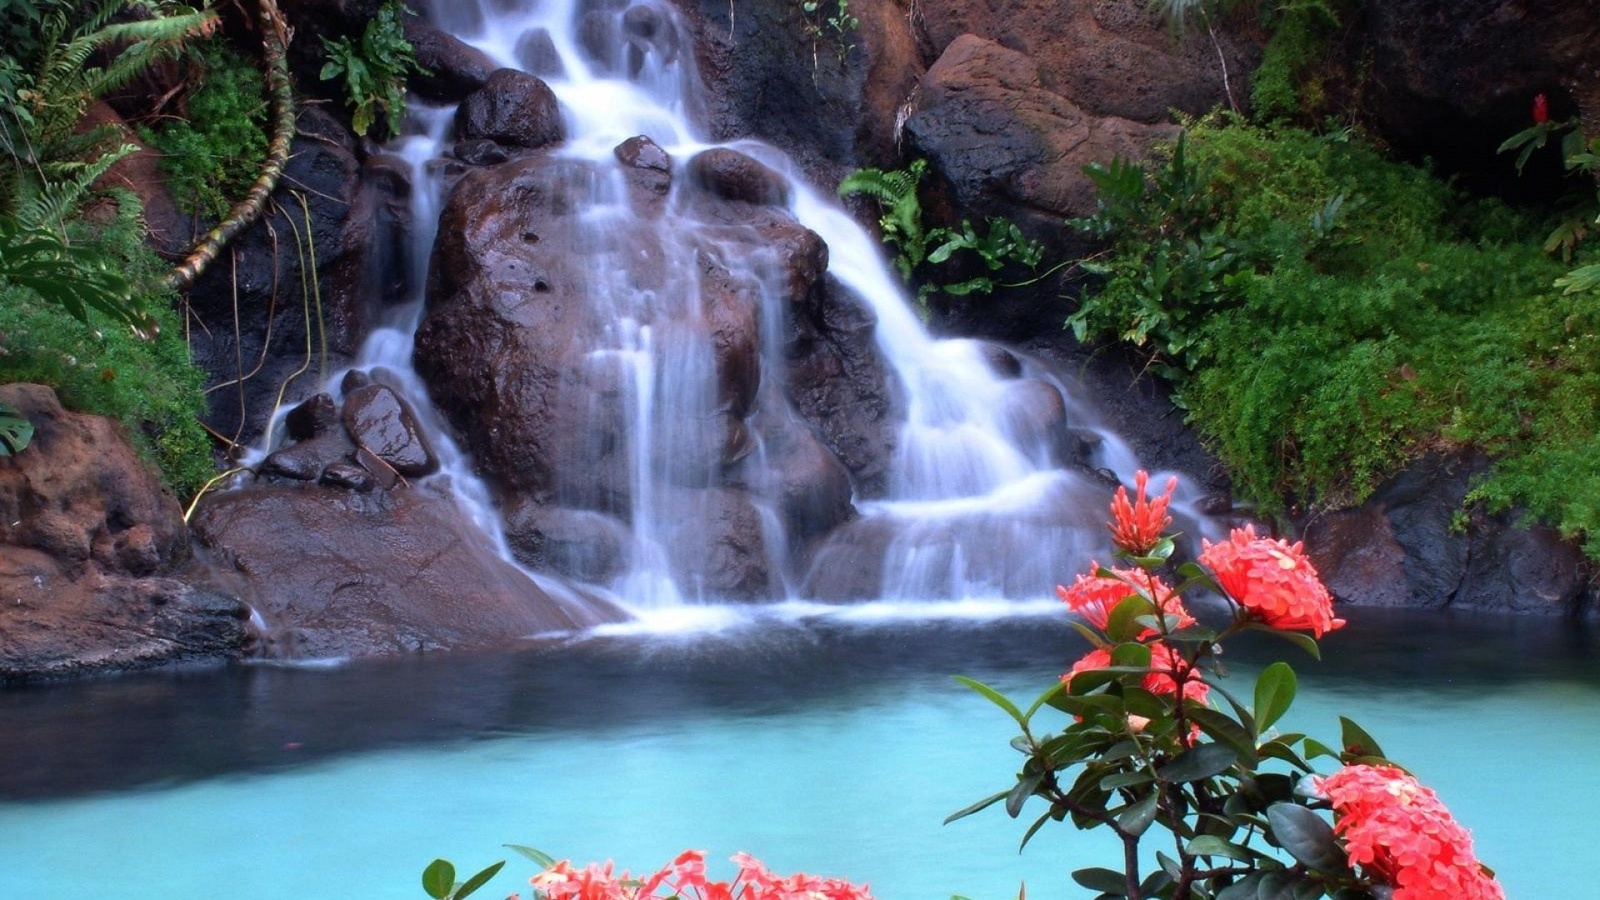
point(1152, 744)
point(1581, 155)
point(15, 431)
point(1170, 260)
point(374, 69)
point(829, 20)
point(918, 248)
point(682, 879)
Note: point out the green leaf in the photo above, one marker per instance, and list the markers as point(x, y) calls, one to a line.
point(1307, 837)
point(1122, 623)
point(1106, 881)
point(995, 697)
point(15, 431)
point(541, 858)
point(1136, 818)
point(962, 813)
point(1227, 731)
point(1356, 741)
point(1199, 763)
point(1303, 641)
point(478, 880)
point(1275, 690)
point(1018, 795)
point(439, 879)
point(1211, 845)
point(1316, 748)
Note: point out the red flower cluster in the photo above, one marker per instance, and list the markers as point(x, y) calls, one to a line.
point(1137, 526)
point(685, 877)
point(1094, 596)
point(1165, 666)
point(1396, 830)
point(1541, 109)
point(1273, 580)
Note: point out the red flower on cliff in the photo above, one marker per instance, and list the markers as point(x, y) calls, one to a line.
point(1137, 526)
point(1398, 832)
point(1541, 109)
point(1094, 596)
point(1272, 580)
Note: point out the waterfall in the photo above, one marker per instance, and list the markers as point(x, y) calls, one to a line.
point(976, 501)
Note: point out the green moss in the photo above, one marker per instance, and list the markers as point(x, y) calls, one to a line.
point(212, 152)
point(102, 367)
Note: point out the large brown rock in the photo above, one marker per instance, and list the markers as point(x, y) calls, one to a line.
point(337, 573)
point(512, 108)
point(92, 549)
point(1109, 57)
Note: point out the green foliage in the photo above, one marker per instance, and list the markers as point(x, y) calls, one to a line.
point(439, 880)
point(99, 364)
point(46, 90)
point(16, 432)
point(1143, 739)
point(1328, 315)
point(374, 69)
point(213, 150)
point(917, 248)
point(830, 20)
point(1290, 82)
point(1170, 263)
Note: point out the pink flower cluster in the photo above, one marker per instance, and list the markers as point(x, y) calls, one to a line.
point(1272, 580)
point(1094, 596)
point(685, 877)
point(1396, 830)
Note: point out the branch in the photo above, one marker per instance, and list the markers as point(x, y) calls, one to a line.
point(275, 35)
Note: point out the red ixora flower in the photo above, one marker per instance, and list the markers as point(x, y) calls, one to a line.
point(1165, 664)
point(1541, 109)
point(685, 878)
point(1094, 596)
point(1272, 580)
point(1397, 831)
point(1137, 526)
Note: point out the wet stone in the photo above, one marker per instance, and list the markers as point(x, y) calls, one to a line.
point(311, 418)
point(382, 423)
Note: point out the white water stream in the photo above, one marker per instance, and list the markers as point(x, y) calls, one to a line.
point(976, 506)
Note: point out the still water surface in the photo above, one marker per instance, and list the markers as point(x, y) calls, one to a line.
point(814, 745)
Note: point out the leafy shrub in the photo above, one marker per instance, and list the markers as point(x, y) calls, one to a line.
point(213, 150)
point(100, 365)
point(1368, 312)
point(1150, 743)
point(374, 70)
point(978, 256)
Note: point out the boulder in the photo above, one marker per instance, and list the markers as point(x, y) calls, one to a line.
point(512, 108)
point(335, 573)
point(451, 68)
point(1411, 545)
point(95, 571)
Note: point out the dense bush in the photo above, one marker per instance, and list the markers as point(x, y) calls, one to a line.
point(1342, 313)
point(212, 152)
point(103, 366)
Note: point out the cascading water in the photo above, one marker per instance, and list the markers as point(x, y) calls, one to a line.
point(974, 501)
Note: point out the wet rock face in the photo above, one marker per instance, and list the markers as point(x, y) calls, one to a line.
point(542, 330)
point(512, 108)
point(95, 571)
point(373, 439)
point(1405, 547)
point(339, 573)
